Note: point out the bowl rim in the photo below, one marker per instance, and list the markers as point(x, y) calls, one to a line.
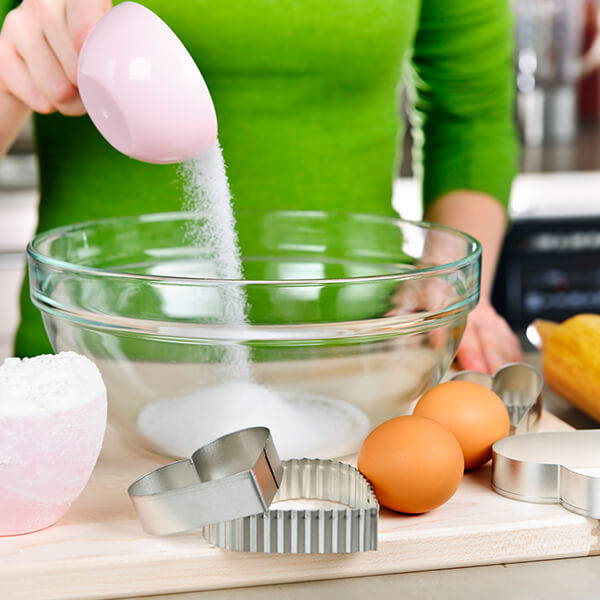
point(34, 253)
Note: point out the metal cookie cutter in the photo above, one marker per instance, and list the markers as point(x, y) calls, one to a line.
point(558, 467)
point(520, 386)
point(322, 531)
point(234, 476)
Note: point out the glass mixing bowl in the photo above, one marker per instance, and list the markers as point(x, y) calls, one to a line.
point(349, 318)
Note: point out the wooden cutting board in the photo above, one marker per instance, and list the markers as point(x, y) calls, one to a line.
point(99, 550)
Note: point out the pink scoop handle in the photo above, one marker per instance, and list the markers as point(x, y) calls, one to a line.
point(143, 90)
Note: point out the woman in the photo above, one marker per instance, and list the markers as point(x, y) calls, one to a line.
point(306, 93)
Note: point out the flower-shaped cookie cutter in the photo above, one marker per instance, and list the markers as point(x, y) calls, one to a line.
point(520, 386)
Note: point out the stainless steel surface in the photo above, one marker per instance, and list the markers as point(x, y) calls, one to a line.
point(548, 53)
point(582, 154)
point(300, 531)
point(234, 476)
point(558, 467)
point(520, 386)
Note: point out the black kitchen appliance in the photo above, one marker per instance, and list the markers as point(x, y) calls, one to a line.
point(549, 269)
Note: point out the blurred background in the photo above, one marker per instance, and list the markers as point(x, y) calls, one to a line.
point(551, 261)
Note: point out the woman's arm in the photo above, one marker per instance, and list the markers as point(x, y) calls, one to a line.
point(478, 215)
point(466, 151)
point(13, 113)
point(488, 342)
point(39, 45)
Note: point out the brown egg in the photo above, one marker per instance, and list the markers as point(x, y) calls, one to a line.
point(474, 414)
point(414, 464)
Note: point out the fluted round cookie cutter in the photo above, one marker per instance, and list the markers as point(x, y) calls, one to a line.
point(234, 476)
point(311, 531)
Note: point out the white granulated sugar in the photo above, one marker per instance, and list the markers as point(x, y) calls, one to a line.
point(207, 195)
point(47, 383)
point(301, 424)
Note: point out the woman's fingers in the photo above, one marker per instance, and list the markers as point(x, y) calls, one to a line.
point(53, 18)
point(500, 344)
point(46, 72)
point(470, 353)
point(488, 342)
point(16, 80)
point(40, 42)
point(81, 16)
point(494, 356)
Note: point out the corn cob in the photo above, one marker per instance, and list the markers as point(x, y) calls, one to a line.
point(571, 360)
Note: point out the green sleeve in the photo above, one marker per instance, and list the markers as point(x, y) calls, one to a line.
point(463, 98)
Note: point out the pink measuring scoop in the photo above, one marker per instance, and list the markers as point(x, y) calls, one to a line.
point(142, 89)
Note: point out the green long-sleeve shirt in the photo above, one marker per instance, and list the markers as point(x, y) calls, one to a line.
point(306, 93)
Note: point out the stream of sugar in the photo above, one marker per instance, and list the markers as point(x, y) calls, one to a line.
point(301, 424)
point(207, 196)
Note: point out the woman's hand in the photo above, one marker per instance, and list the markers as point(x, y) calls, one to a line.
point(488, 342)
point(39, 47)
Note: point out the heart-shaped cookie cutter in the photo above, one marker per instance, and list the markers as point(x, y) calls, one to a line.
point(520, 386)
point(235, 476)
point(555, 467)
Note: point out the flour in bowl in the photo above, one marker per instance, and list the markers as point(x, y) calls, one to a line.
point(47, 383)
